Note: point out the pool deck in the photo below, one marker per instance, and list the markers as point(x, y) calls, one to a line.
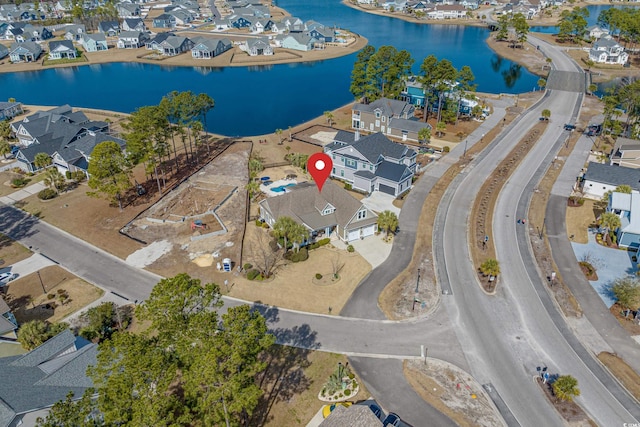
point(281, 182)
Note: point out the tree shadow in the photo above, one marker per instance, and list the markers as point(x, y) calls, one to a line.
point(607, 290)
point(284, 376)
point(16, 224)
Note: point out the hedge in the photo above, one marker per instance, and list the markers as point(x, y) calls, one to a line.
point(301, 255)
point(47, 194)
point(253, 274)
point(319, 243)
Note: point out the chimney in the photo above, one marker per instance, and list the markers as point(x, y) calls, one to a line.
point(356, 137)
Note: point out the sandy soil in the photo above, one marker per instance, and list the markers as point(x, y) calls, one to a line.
point(531, 58)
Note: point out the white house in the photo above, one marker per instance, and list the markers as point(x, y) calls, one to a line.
point(627, 207)
point(601, 178)
point(607, 51)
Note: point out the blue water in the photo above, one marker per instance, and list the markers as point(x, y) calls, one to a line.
point(281, 188)
point(594, 11)
point(258, 100)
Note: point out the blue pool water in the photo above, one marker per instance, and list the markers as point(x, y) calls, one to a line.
point(281, 188)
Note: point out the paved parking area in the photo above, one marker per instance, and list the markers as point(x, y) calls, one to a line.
point(379, 202)
point(610, 264)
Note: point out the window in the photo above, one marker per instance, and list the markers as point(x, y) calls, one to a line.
point(350, 163)
point(362, 214)
point(383, 119)
point(370, 167)
point(333, 156)
point(377, 114)
point(334, 171)
point(341, 172)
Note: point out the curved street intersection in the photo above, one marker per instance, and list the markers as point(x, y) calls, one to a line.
point(500, 339)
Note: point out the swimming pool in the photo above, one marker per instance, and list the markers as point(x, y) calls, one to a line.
point(281, 188)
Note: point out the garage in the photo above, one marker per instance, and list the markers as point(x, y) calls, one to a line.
point(369, 231)
point(353, 235)
point(387, 189)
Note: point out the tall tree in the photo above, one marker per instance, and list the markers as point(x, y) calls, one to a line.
point(109, 172)
point(387, 221)
point(359, 72)
point(427, 79)
point(387, 70)
point(521, 28)
point(71, 412)
point(627, 292)
point(504, 21)
point(283, 228)
point(35, 332)
point(42, 160)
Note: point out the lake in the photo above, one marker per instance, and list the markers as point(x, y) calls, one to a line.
point(594, 12)
point(258, 100)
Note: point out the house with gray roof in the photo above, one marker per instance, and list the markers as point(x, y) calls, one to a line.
point(94, 42)
point(608, 51)
point(8, 322)
point(353, 416)
point(131, 39)
point(332, 212)
point(25, 52)
point(258, 46)
point(627, 207)
point(62, 49)
point(626, 152)
point(109, 28)
point(174, 45)
point(297, 41)
point(128, 10)
point(207, 48)
point(164, 21)
point(74, 156)
point(133, 24)
point(372, 163)
point(390, 116)
point(74, 32)
point(8, 110)
point(601, 178)
point(44, 376)
point(181, 16)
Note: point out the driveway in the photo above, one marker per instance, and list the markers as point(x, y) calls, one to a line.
point(610, 265)
point(27, 266)
point(373, 248)
point(379, 202)
point(23, 193)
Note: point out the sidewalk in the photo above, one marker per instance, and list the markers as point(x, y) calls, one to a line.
point(23, 193)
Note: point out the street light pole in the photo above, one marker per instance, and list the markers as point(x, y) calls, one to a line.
point(464, 154)
point(418, 281)
point(44, 291)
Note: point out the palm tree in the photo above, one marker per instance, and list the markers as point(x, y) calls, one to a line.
point(565, 388)
point(424, 135)
point(5, 147)
point(297, 234)
point(542, 83)
point(387, 221)
point(546, 114)
point(54, 179)
point(610, 222)
point(253, 187)
point(42, 160)
point(279, 133)
point(329, 116)
point(440, 128)
point(283, 228)
point(490, 267)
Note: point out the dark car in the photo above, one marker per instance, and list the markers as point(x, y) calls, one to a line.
point(594, 130)
point(391, 420)
point(569, 127)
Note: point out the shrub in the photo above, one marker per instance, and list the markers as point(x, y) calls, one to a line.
point(347, 186)
point(259, 223)
point(47, 194)
point(301, 255)
point(78, 176)
point(318, 276)
point(247, 266)
point(446, 149)
point(265, 225)
point(350, 248)
point(19, 182)
point(51, 296)
point(67, 174)
point(252, 274)
point(319, 243)
point(347, 392)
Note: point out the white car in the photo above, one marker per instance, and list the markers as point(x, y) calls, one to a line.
point(6, 278)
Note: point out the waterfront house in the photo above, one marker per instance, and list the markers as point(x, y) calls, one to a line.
point(25, 52)
point(297, 41)
point(258, 46)
point(62, 49)
point(607, 51)
point(164, 21)
point(8, 110)
point(75, 156)
point(595, 32)
point(446, 11)
point(175, 45)
point(626, 152)
point(133, 24)
point(4, 51)
point(322, 34)
point(74, 32)
point(372, 163)
point(395, 6)
point(601, 178)
point(131, 39)
point(39, 123)
point(206, 48)
point(154, 43)
point(390, 116)
point(35, 381)
point(627, 207)
point(94, 42)
point(293, 24)
point(332, 212)
point(109, 28)
point(128, 10)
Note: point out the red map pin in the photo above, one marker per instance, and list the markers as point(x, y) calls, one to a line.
point(319, 166)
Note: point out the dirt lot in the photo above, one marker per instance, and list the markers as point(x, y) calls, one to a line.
point(580, 218)
point(11, 252)
point(27, 299)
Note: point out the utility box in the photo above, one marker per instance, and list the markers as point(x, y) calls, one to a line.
point(226, 265)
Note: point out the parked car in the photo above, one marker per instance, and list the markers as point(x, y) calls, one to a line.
point(6, 278)
point(569, 127)
point(594, 130)
point(392, 420)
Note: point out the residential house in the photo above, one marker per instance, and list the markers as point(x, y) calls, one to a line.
point(626, 152)
point(174, 45)
point(607, 51)
point(25, 52)
point(353, 416)
point(413, 92)
point(8, 110)
point(8, 322)
point(75, 156)
point(293, 24)
point(595, 32)
point(154, 43)
point(128, 10)
point(600, 178)
point(94, 42)
point(74, 32)
point(206, 48)
point(258, 46)
point(446, 11)
point(181, 17)
point(260, 25)
point(238, 21)
point(221, 24)
point(133, 24)
point(332, 212)
point(62, 49)
point(627, 207)
point(47, 374)
point(390, 116)
point(131, 39)
point(372, 163)
point(395, 6)
point(322, 34)
point(36, 34)
point(297, 41)
point(164, 21)
point(4, 51)
point(109, 28)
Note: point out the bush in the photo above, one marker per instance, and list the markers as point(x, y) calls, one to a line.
point(301, 255)
point(252, 274)
point(319, 243)
point(265, 225)
point(347, 186)
point(350, 248)
point(259, 223)
point(247, 266)
point(51, 296)
point(446, 149)
point(67, 174)
point(318, 276)
point(347, 392)
point(47, 194)
point(19, 182)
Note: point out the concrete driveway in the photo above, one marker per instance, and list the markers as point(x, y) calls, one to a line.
point(610, 265)
point(373, 248)
point(379, 202)
point(27, 266)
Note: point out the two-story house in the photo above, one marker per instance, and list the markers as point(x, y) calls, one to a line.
point(372, 163)
point(131, 39)
point(607, 51)
point(390, 116)
point(627, 207)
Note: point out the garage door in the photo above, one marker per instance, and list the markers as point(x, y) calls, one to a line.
point(387, 189)
point(368, 231)
point(353, 235)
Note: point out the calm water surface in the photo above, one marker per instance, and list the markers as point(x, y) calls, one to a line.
point(254, 101)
